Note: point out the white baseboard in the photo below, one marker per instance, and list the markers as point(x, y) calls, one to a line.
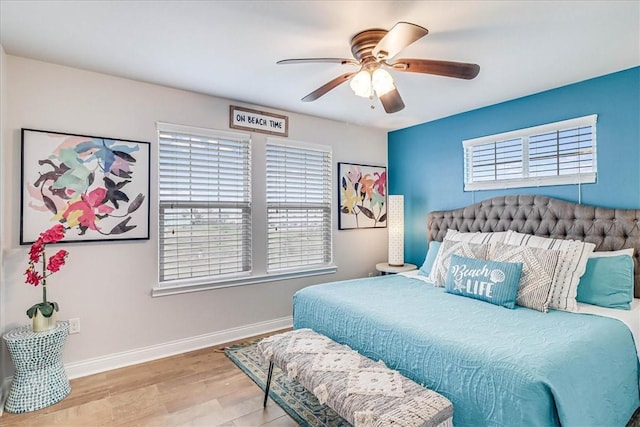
point(145, 354)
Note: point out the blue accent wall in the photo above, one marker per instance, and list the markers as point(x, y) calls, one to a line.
point(426, 161)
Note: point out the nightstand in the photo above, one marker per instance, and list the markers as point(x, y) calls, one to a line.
point(385, 268)
point(40, 379)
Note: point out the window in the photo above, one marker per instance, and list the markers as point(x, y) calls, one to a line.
point(552, 154)
point(298, 205)
point(204, 204)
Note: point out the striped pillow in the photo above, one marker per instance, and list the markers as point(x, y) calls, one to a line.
point(572, 262)
point(448, 248)
point(538, 270)
point(478, 238)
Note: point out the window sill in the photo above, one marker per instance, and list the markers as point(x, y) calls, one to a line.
point(585, 178)
point(161, 291)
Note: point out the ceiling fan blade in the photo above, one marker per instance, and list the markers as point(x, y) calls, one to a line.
point(392, 101)
point(327, 87)
point(460, 70)
point(342, 61)
point(400, 36)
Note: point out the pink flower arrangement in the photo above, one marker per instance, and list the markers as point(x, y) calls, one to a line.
point(37, 256)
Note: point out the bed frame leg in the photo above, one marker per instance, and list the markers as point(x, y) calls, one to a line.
point(266, 389)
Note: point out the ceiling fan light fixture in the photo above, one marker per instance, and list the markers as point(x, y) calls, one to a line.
point(374, 49)
point(361, 84)
point(382, 82)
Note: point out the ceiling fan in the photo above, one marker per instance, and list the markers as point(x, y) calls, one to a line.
point(374, 50)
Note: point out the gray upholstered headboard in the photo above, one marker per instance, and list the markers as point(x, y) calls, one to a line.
point(609, 229)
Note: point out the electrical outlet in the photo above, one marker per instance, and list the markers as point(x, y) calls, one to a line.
point(74, 325)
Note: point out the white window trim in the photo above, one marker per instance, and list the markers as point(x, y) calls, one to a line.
point(213, 133)
point(300, 144)
point(181, 286)
point(306, 270)
point(524, 134)
point(187, 286)
point(205, 132)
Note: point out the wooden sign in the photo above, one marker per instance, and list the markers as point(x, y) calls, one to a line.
point(258, 121)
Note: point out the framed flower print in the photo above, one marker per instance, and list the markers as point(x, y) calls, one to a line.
point(362, 196)
point(97, 187)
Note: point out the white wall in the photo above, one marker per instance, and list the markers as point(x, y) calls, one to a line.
point(4, 356)
point(107, 285)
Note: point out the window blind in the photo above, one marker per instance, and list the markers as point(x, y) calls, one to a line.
point(204, 203)
point(562, 152)
point(298, 205)
point(552, 154)
point(495, 161)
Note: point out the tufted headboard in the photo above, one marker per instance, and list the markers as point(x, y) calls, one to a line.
point(609, 229)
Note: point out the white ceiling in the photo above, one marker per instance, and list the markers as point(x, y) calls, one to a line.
point(230, 48)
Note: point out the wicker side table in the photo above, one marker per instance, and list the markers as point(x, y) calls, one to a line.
point(40, 379)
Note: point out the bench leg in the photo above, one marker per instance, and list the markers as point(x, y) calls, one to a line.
point(266, 389)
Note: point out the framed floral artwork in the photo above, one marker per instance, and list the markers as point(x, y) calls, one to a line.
point(97, 187)
point(362, 196)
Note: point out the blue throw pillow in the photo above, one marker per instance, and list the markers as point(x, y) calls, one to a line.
point(607, 282)
point(432, 252)
point(491, 281)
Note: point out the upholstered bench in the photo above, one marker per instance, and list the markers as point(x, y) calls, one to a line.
point(363, 392)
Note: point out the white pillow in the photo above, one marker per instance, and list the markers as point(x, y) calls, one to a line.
point(604, 254)
point(478, 238)
point(572, 263)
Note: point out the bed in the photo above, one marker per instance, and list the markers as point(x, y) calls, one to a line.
point(498, 366)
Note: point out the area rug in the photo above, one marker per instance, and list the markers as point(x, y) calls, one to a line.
point(300, 404)
point(635, 419)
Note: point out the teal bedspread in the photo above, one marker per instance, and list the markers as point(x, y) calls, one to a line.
point(499, 367)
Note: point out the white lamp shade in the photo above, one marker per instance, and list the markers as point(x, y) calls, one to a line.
point(395, 227)
point(382, 82)
point(361, 84)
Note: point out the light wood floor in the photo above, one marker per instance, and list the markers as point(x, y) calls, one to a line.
point(200, 388)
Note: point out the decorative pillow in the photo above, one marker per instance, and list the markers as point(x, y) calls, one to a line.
point(478, 238)
point(490, 281)
point(432, 253)
point(604, 254)
point(572, 263)
point(608, 280)
point(448, 248)
point(538, 269)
